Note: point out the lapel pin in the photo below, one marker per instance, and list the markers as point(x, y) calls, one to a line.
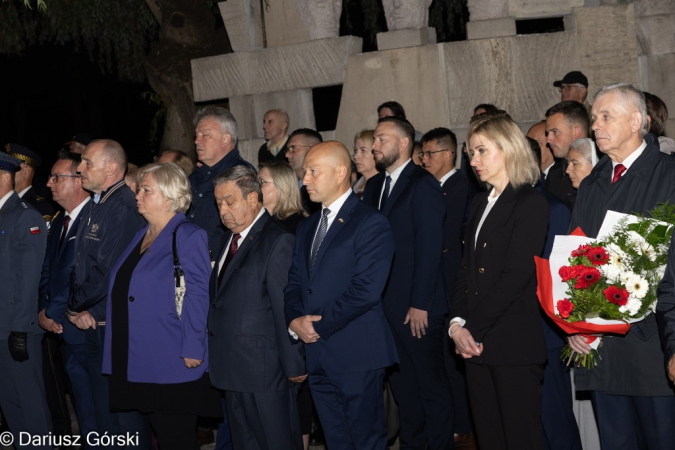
point(341, 221)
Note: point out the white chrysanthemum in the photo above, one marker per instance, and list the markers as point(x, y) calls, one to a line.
point(611, 271)
point(617, 257)
point(646, 249)
point(637, 286)
point(633, 305)
point(625, 276)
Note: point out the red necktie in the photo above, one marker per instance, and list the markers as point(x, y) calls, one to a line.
point(234, 246)
point(618, 170)
point(66, 222)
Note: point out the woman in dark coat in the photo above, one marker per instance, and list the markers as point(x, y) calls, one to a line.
point(496, 324)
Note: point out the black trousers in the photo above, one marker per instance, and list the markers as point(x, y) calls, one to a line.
point(421, 388)
point(506, 405)
point(175, 431)
point(56, 383)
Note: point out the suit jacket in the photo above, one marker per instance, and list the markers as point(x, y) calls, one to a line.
point(632, 364)
point(40, 203)
point(416, 212)
point(158, 339)
point(55, 281)
point(495, 289)
point(559, 184)
point(345, 289)
point(248, 338)
point(456, 191)
point(23, 238)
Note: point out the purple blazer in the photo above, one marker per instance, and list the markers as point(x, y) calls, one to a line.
point(158, 339)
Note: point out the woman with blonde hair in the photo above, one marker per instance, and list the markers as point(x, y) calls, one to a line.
point(496, 325)
point(364, 160)
point(281, 194)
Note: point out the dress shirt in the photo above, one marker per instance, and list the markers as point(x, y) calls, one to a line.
point(242, 236)
point(445, 177)
point(492, 199)
point(274, 148)
point(4, 199)
point(394, 176)
point(545, 172)
point(22, 193)
point(75, 212)
point(631, 158)
point(334, 210)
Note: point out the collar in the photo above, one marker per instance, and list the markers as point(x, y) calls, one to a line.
point(492, 198)
point(220, 165)
point(103, 196)
point(396, 173)
point(245, 232)
point(445, 177)
point(22, 193)
point(548, 168)
point(76, 211)
point(3, 200)
point(630, 159)
point(279, 145)
point(337, 204)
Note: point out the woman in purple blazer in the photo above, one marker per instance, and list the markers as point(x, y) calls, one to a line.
point(155, 352)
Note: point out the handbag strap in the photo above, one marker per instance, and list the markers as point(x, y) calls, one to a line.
point(177, 269)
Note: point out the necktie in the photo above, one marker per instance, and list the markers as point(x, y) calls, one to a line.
point(234, 246)
point(618, 170)
point(323, 228)
point(66, 222)
point(385, 194)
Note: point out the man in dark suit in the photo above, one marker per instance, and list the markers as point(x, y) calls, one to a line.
point(251, 357)
point(633, 398)
point(439, 149)
point(565, 122)
point(23, 237)
point(275, 127)
point(299, 143)
point(416, 297)
point(67, 191)
point(333, 298)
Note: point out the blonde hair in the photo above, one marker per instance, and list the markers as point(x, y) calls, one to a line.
point(172, 183)
point(366, 136)
point(289, 201)
point(519, 160)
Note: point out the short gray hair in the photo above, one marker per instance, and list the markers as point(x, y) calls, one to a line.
point(228, 124)
point(172, 183)
point(246, 178)
point(629, 93)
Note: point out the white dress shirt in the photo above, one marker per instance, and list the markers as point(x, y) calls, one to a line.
point(445, 177)
point(631, 158)
point(394, 176)
point(4, 199)
point(76, 212)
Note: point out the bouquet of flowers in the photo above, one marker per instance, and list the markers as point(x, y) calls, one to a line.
point(603, 285)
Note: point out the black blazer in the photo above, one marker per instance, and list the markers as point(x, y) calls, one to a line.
point(495, 288)
point(558, 183)
point(456, 192)
point(416, 213)
point(249, 345)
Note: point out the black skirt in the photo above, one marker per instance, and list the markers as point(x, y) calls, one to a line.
point(193, 397)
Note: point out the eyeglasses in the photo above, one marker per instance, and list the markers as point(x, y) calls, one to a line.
point(294, 148)
point(55, 178)
point(568, 87)
point(428, 154)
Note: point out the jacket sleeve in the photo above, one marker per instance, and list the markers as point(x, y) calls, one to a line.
point(28, 252)
point(276, 278)
point(428, 216)
point(119, 227)
point(526, 242)
point(373, 254)
point(293, 304)
point(665, 306)
point(193, 253)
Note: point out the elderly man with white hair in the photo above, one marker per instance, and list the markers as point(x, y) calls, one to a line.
point(633, 398)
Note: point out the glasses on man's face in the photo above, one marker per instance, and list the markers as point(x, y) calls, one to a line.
point(294, 148)
point(568, 87)
point(55, 178)
point(428, 154)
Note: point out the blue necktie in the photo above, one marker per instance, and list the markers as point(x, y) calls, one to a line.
point(323, 228)
point(385, 194)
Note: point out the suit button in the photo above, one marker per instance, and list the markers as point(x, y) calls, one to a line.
point(466, 291)
point(481, 270)
point(131, 299)
point(211, 333)
point(213, 306)
point(476, 292)
point(309, 291)
point(484, 244)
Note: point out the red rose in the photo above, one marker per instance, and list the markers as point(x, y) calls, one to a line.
point(616, 295)
point(567, 273)
point(565, 307)
point(598, 256)
point(587, 276)
point(581, 251)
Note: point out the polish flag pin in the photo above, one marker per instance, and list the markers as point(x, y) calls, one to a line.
point(34, 230)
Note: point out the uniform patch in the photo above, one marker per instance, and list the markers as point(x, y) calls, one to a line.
point(34, 230)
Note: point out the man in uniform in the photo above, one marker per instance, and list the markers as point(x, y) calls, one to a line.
point(23, 237)
point(23, 180)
